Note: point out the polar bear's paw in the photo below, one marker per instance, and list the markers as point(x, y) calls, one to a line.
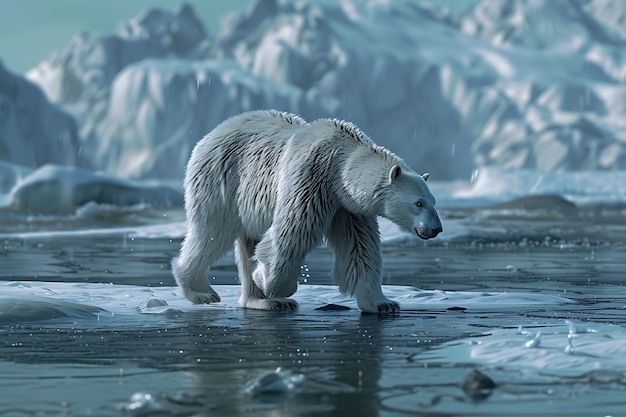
point(273, 304)
point(380, 306)
point(206, 297)
point(388, 307)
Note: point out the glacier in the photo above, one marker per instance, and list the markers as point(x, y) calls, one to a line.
point(511, 83)
point(33, 131)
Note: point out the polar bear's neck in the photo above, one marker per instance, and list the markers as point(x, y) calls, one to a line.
point(361, 168)
point(364, 177)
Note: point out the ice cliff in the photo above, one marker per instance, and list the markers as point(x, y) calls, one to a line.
point(536, 84)
point(33, 131)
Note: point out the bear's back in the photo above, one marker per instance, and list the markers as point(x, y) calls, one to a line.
point(239, 137)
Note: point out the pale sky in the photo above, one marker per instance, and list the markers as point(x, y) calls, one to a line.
point(31, 30)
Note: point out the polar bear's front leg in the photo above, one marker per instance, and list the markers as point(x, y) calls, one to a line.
point(274, 285)
point(281, 251)
point(358, 261)
point(251, 295)
point(257, 300)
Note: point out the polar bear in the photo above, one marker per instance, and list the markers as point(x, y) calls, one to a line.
point(276, 186)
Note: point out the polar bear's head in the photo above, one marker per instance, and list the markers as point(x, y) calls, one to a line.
point(410, 204)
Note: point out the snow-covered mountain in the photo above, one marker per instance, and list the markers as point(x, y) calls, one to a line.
point(533, 84)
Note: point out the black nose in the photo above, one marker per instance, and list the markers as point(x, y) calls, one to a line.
point(436, 231)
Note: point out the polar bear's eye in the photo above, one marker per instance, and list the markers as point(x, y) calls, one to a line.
point(419, 204)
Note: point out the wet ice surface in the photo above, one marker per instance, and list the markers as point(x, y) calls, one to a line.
point(91, 323)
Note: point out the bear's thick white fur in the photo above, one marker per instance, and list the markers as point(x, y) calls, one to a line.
point(276, 186)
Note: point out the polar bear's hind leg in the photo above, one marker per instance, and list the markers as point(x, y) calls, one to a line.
point(198, 252)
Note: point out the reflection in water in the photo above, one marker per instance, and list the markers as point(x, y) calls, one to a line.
point(339, 359)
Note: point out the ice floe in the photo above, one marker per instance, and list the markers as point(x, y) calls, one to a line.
point(38, 301)
point(568, 349)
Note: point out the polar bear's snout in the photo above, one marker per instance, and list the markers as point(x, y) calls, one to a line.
point(430, 227)
point(426, 233)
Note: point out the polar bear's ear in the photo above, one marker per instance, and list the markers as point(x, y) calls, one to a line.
point(394, 173)
point(426, 176)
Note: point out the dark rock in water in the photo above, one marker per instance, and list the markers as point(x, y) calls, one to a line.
point(478, 386)
point(333, 307)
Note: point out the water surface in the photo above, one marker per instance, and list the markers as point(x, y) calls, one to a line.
point(78, 337)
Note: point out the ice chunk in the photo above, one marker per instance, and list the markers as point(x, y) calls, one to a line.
point(62, 189)
point(282, 381)
point(142, 404)
point(278, 381)
point(156, 306)
point(599, 347)
point(31, 309)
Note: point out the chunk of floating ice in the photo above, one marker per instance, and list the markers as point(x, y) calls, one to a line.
point(141, 401)
point(598, 346)
point(143, 404)
point(282, 381)
point(535, 341)
point(32, 308)
point(274, 382)
point(155, 306)
point(153, 302)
